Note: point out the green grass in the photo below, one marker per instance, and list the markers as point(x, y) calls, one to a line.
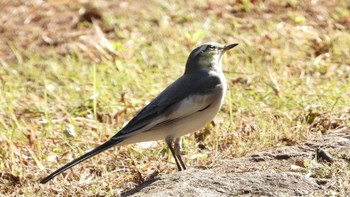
point(290, 71)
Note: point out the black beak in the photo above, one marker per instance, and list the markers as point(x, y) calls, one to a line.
point(230, 46)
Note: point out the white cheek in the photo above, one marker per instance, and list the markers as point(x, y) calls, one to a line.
point(215, 59)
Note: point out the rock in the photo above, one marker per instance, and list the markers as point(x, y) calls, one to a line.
point(266, 173)
point(195, 182)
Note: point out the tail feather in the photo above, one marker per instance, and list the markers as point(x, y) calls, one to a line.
point(82, 158)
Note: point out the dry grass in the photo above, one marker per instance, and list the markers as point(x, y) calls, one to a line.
point(62, 72)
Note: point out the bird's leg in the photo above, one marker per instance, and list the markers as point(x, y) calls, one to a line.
point(169, 142)
point(178, 149)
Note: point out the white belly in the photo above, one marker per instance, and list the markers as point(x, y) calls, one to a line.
point(180, 127)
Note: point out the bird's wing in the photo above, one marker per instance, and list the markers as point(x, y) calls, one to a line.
point(185, 96)
point(188, 94)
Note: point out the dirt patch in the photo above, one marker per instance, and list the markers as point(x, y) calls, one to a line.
point(47, 28)
point(288, 170)
point(54, 27)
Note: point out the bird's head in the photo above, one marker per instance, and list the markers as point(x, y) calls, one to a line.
point(207, 56)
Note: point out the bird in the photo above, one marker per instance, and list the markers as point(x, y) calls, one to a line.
point(185, 106)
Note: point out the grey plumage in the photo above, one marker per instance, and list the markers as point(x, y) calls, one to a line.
point(183, 107)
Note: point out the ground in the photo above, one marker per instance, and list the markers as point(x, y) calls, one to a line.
point(284, 171)
point(74, 72)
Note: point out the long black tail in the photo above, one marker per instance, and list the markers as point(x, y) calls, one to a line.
point(82, 158)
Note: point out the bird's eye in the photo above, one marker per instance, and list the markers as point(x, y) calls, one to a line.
point(210, 47)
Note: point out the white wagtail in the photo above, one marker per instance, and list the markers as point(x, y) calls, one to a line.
point(182, 108)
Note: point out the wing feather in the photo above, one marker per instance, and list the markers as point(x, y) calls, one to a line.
point(188, 94)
